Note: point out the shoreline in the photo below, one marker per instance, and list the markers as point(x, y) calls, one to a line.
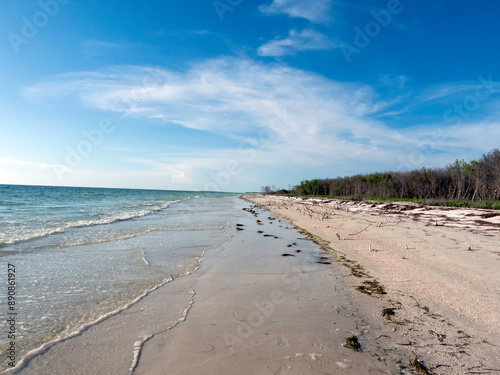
point(437, 266)
point(268, 303)
point(273, 299)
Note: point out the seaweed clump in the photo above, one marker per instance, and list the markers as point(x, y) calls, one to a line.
point(371, 287)
point(323, 260)
point(356, 269)
point(250, 210)
point(419, 367)
point(353, 343)
point(389, 314)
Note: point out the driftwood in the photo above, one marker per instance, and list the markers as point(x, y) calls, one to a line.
point(353, 234)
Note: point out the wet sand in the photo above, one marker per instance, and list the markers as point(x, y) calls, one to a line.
point(259, 312)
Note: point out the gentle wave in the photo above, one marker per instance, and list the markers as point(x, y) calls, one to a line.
point(45, 346)
point(138, 344)
point(124, 216)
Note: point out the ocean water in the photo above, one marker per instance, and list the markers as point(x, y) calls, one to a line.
point(82, 254)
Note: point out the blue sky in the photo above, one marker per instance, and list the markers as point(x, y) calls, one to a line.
point(235, 94)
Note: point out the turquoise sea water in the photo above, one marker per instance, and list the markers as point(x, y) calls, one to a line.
point(83, 253)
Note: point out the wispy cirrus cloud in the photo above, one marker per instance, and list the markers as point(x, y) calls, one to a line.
point(291, 118)
point(305, 40)
point(315, 11)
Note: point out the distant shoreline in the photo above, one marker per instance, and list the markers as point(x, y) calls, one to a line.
point(487, 204)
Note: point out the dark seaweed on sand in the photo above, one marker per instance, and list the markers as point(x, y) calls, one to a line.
point(353, 343)
point(389, 314)
point(419, 367)
point(371, 287)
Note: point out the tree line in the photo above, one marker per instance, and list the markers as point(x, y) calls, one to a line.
point(477, 180)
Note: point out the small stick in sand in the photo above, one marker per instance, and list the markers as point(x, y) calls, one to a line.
point(338, 235)
point(406, 246)
point(353, 234)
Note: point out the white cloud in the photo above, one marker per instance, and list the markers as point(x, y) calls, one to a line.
point(24, 163)
point(307, 39)
point(279, 119)
point(314, 11)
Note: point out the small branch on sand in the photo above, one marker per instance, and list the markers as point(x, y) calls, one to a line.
point(338, 235)
point(379, 224)
point(406, 246)
point(353, 234)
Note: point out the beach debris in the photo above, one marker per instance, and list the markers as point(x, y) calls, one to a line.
point(324, 260)
point(371, 287)
point(338, 235)
point(389, 314)
point(288, 245)
point(440, 336)
point(353, 343)
point(469, 248)
point(353, 234)
point(275, 237)
point(239, 225)
point(259, 231)
point(356, 269)
point(425, 308)
point(268, 235)
point(343, 365)
point(250, 210)
point(299, 355)
point(420, 367)
point(298, 251)
point(239, 228)
point(287, 255)
point(315, 356)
